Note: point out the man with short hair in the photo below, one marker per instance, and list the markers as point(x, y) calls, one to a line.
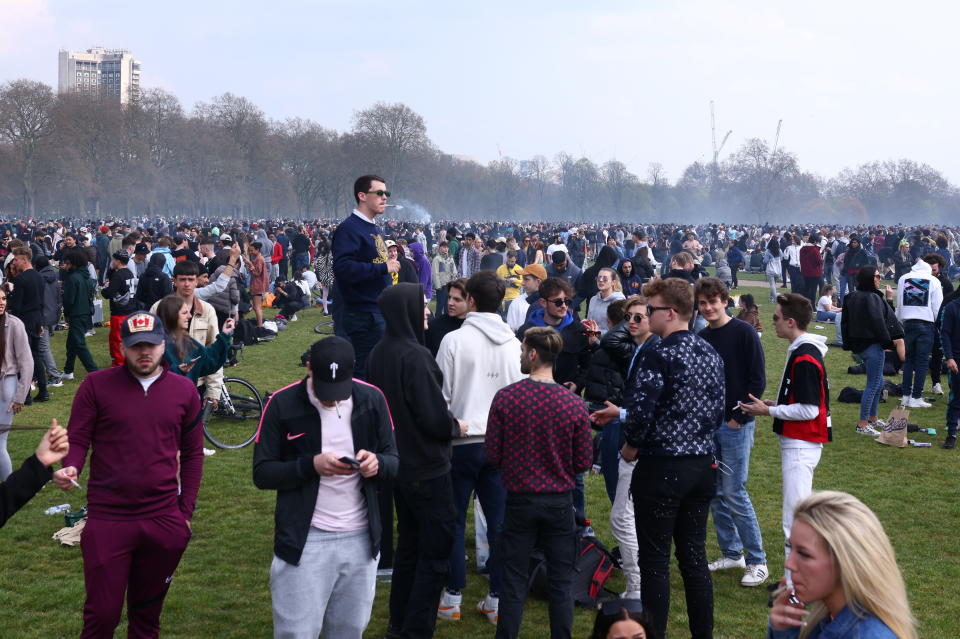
point(25, 301)
point(469, 256)
point(120, 289)
point(361, 269)
point(511, 273)
point(456, 312)
point(325, 444)
point(443, 271)
point(491, 259)
point(143, 423)
point(801, 414)
point(676, 402)
point(560, 266)
point(539, 454)
point(532, 275)
point(203, 325)
point(477, 360)
point(737, 343)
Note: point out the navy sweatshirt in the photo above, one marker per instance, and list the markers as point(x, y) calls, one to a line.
point(744, 366)
point(360, 263)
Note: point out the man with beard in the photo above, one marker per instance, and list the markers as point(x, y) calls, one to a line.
point(143, 423)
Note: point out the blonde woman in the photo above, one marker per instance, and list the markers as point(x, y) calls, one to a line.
point(608, 292)
point(846, 582)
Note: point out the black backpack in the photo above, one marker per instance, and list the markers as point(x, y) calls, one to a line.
point(592, 569)
point(850, 395)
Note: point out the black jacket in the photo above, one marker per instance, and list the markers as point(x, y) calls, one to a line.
point(51, 296)
point(606, 374)
point(21, 486)
point(439, 327)
point(155, 284)
point(285, 464)
point(26, 300)
point(868, 319)
point(410, 379)
point(120, 291)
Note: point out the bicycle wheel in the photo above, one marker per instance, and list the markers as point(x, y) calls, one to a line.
point(234, 422)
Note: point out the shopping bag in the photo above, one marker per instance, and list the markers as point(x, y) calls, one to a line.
point(895, 430)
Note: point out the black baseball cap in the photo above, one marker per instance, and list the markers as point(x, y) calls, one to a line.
point(331, 365)
point(141, 249)
point(142, 327)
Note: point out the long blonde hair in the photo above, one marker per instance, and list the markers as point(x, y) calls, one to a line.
point(614, 278)
point(868, 569)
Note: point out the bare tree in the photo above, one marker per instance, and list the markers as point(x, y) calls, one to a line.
point(393, 133)
point(26, 122)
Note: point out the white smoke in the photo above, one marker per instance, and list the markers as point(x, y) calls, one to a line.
point(407, 211)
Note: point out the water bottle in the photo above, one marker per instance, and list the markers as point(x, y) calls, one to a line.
point(56, 510)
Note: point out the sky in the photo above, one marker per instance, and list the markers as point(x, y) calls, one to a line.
point(852, 81)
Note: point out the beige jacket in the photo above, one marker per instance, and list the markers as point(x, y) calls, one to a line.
point(203, 328)
point(17, 360)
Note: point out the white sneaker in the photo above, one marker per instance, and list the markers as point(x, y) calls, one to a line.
point(919, 402)
point(866, 429)
point(449, 608)
point(938, 389)
point(294, 318)
point(725, 563)
point(631, 594)
point(489, 608)
point(754, 575)
point(67, 376)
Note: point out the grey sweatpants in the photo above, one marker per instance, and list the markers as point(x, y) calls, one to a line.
point(331, 590)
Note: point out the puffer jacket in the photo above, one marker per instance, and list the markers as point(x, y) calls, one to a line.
point(607, 371)
point(226, 300)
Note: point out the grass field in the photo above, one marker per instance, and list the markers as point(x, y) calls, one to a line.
point(221, 588)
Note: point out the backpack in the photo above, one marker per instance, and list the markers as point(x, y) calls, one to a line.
point(591, 570)
point(850, 395)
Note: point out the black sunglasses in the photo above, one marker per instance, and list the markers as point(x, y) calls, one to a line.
point(652, 309)
point(380, 193)
point(635, 317)
point(560, 302)
point(615, 607)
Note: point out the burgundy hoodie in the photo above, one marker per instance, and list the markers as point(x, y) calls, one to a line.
point(136, 437)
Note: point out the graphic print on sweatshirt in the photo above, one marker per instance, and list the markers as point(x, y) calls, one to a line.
point(916, 291)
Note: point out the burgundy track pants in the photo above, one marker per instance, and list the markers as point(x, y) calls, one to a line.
point(137, 556)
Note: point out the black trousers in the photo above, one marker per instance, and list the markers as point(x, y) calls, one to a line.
point(544, 521)
point(39, 368)
point(671, 500)
point(425, 519)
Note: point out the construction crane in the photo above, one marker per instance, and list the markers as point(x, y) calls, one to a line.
point(776, 140)
point(713, 132)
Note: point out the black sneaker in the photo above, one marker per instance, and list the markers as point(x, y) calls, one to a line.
point(42, 397)
point(951, 442)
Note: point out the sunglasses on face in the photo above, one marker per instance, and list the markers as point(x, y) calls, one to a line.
point(635, 317)
point(603, 279)
point(653, 309)
point(616, 607)
point(776, 318)
point(559, 303)
point(379, 193)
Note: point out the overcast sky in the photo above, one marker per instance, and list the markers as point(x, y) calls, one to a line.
point(853, 81)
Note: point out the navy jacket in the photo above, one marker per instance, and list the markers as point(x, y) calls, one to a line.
point(360, 263)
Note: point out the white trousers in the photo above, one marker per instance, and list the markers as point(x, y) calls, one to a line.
point(796, 466)
point(623, 525)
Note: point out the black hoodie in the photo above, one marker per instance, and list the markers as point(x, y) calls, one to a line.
point(402, 367)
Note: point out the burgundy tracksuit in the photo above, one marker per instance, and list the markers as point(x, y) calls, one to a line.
point(136, 529)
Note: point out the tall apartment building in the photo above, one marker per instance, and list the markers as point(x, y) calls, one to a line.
point(99, 71)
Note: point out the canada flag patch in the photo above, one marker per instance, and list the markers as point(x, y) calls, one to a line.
point(140, 323)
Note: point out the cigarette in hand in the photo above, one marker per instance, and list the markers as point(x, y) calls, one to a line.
point(74, 482)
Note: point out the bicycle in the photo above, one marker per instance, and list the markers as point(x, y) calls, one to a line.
point(234, 422)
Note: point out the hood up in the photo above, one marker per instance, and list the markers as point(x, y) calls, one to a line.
point(402, 309)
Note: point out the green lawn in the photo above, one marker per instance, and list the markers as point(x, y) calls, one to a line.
point(221, 588)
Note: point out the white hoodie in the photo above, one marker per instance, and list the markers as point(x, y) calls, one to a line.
point(477, 360)
point(919, 294)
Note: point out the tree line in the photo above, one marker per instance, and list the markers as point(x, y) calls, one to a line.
point(82, 156)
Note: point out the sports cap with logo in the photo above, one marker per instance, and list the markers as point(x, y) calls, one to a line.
point(142, 327)
point(331, 365)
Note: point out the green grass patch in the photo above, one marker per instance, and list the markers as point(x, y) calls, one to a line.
point(221, 588)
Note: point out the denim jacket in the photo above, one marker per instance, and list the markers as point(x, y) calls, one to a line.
point(845, 625)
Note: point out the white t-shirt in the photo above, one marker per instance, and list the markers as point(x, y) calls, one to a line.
point(147, 382)
point(340, 504)
point(825, 303)
point(310, 278)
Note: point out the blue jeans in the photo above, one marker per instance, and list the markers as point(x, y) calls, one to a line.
point(470, 472)
point(738, 532)
point(826, 316)
point(441, 299)
point(610, 457)
point(918, 340)
point(873, 361)
point(364, 330)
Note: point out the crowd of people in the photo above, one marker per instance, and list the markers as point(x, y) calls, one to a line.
point(545, 338)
